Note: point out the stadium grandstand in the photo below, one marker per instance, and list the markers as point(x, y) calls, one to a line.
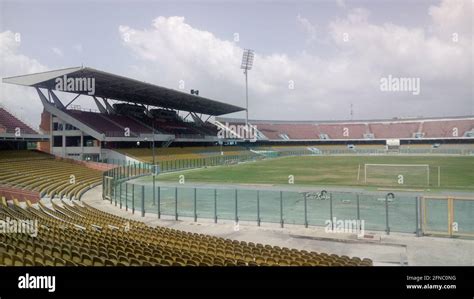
point(137, 126)
point(128, 112)
point(134, 119)
point(37, 168)
point(450, 128)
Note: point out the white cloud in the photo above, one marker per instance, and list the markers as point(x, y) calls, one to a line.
point(172, 50)
point(324, 87)
point(22, 101)
point(57, 51)
point(453, 17)
point(78, 48)
point(308, 27)
point(341, 3)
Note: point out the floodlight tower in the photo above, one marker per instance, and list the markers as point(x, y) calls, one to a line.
point(247, 62)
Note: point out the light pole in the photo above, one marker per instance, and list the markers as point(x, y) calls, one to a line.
point(247, 63)
point(154, 166)
point(153, 142)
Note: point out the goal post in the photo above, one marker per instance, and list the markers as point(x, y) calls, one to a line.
point(397, 174)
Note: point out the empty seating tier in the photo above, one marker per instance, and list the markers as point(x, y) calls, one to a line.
point(360, 130)
point(448, 129)
point(10, 123)
point(30, 170)
point(74, 234)
point(97, 122)
point(343, 131)
point(293, 131)
point(394, 130)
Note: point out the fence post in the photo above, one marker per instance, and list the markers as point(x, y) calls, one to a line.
point(236, 207)
point(330, 211)
point(159, 203)
point(391, 195)
point(358, 209)
point(133, 198)
point(116, 192)
point(111, 184)
point(143, 200)
point(418, 217)
point(305, 210)
point(176, 203)
point(215, 205)
point(258, 207)
point(120, 195)
point(154, 187)
point(126, 196)
point(195, 205)
point(281, 208)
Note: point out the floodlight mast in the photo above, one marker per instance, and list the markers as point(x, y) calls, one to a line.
point(247, 63)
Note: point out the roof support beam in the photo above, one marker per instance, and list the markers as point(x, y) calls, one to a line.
point(186, 115)
point(99, 105)
point(43, 99)
point(197, 119)
point(56, 100)
point(109, 108)
point(78, 95)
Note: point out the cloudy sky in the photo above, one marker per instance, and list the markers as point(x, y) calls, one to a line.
point(313, 58)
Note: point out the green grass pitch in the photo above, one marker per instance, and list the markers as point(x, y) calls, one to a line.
point(456, 172)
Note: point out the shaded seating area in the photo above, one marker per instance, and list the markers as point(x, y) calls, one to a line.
point(110, 125)
point(113, 125)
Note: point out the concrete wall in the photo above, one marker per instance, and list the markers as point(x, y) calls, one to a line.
point(111, 154)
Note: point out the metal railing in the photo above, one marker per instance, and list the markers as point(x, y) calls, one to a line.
point(332, 210)
point(373, 211)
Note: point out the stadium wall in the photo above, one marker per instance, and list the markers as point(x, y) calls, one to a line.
point(93, 165)
point(45, 126)
point(110, 154)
